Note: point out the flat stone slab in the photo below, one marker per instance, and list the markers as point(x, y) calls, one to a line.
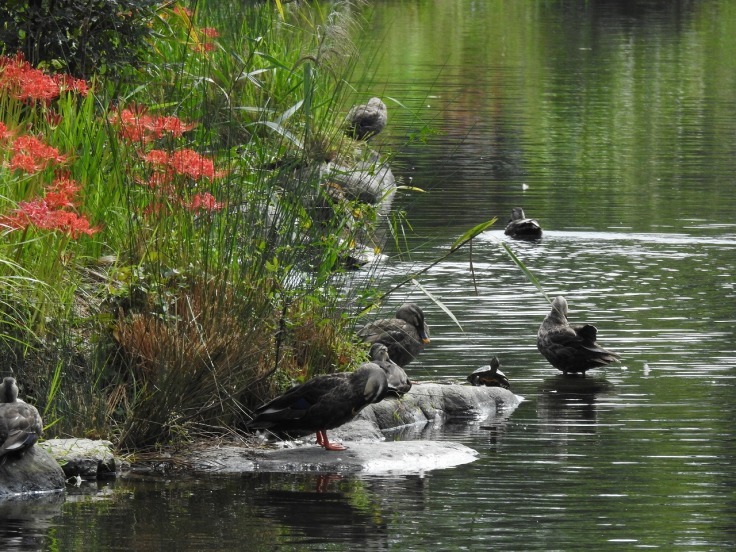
point(86, 458)
point(389, 457)
point(368, 452)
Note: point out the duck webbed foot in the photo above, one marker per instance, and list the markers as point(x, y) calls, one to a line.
point(324, 442)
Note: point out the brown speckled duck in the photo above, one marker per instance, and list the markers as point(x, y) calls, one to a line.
point(405, 335)
point(398, 381)
point(365, 121)
point(322, 403)
point(20, 422)
point(523, 228)
point(570, 348)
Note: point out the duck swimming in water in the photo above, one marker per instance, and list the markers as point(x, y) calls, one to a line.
point(404, 336)
point(20, 422)
point(323, 403)
point(398, 381)
point(523, 228)
point(570, 348)
point(365, 121)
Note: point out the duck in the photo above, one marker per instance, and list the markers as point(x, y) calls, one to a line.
point(20, 423)
point(322, 403)
point(571, 349)
point(405, 336)
point(398, 381)
point(367, 120)
point(523, 228)
point(490, 375)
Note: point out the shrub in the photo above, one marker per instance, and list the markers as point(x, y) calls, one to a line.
point(78, 36)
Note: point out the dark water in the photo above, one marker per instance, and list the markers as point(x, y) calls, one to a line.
point(614, 124)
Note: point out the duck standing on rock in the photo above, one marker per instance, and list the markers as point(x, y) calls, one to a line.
point(398, 381)
point(365, 121)
point(523, 228)
point(570, 348)
point(20, 422)
point(323, 403)
point(404, 336)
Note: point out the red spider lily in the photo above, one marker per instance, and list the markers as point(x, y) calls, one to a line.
point(204, 202)
point(61, 193)
point(185, 162)
point(31, 155)
point(23, 82)
point(4, 132)
point(137, 126)
point(190, 163)
point(50, 212)
point(67, 82)
point(209, 32)
point(181, 10)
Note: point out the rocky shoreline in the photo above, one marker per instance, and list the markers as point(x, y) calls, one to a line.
point(369, 451)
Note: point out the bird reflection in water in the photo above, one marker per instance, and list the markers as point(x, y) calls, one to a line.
point(327, 516)
point(566, 401)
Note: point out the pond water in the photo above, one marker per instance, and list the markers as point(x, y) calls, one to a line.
point(612, 123)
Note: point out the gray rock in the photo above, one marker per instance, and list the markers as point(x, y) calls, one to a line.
point(373, 457)
point(370, 182)
point(86, 458)
point(34, 471)
point(437, 402)
point(425, 403)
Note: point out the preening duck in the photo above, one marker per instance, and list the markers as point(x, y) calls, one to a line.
point(365, 121)
point(570, 348)
point(20, 422)
point(322, 403)
point(398, 381)
point(404, 336)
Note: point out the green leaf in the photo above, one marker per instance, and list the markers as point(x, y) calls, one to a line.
point(523, 268)
point(437, 302)
point(473, 232)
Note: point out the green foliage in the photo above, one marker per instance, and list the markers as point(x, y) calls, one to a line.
point(82, 38)
point(181, 236)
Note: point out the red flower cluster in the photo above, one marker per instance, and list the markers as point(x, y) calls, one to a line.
point(185, 162)
point(138, 126)
point(51, 212)
point(204, 202)
point(23, 82)
point(4, 132)
point(31, 155)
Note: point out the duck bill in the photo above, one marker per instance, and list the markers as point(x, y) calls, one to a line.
point(424, 337)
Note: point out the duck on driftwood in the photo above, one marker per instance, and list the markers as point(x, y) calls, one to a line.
point(20, 422)
point(570, 348)
point(365, 121)
point(523, 228)
point(322, 403)
point(398, 381)
point(404, 336)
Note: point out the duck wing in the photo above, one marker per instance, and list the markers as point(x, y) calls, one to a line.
point(297, 402)
point(20, 426)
